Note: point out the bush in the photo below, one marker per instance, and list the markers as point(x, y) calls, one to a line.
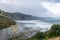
point(38, 36)
point(54, 31)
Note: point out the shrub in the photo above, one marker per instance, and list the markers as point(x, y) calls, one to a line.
point(38, 36)
point(54, 31)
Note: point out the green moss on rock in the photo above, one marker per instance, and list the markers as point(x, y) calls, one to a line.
point(5, 22)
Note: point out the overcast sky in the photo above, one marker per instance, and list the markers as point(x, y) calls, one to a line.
point(40, 8)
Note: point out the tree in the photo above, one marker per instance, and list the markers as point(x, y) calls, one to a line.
point(54, 31)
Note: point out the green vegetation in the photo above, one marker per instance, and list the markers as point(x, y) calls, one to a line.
point(52, 33)
point(4, 21)
point(38, 36)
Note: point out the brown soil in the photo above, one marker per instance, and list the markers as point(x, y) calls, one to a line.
point(58, 38)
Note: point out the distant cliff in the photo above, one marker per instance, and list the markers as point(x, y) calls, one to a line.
point(20, 16)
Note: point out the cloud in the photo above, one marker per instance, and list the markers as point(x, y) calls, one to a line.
point(32, 7)
point(20, 3)
point(53, 7)
point(54, 1)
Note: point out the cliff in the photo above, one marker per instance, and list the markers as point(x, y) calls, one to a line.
point(5, 22)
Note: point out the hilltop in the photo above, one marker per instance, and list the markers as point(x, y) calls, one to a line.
point(20, 16)
point(4, 21)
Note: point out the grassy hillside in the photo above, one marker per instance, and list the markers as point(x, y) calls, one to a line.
point(5, 22)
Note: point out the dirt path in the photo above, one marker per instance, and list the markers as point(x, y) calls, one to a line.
point(58, 38)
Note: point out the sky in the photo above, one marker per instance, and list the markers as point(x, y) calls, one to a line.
point(40, 8)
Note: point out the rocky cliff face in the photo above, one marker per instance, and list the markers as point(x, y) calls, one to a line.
point(7, 33)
